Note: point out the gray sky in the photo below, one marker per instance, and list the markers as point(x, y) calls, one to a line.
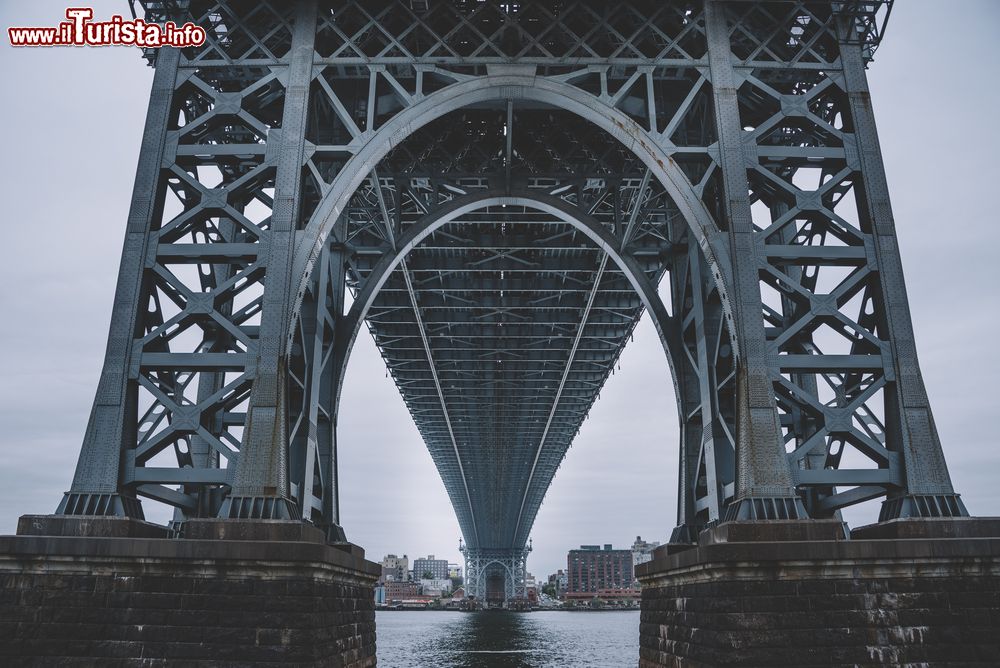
point(73, 119)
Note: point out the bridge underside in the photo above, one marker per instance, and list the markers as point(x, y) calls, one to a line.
point(501, 326)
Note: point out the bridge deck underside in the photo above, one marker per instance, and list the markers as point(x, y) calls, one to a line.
point(501, 327)
point(501, 301)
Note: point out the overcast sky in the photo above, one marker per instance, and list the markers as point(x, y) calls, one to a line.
point(72, 120)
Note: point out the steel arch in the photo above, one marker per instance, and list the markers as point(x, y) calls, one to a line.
point(663, 321)
point(518, 87)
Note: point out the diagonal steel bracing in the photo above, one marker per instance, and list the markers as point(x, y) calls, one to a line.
point(440, 393)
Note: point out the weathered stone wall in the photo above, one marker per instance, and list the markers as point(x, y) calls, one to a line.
point(858, 621)
point(909, 602)
point(150, 602)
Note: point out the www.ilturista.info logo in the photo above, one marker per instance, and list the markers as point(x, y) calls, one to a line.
point(79, 30)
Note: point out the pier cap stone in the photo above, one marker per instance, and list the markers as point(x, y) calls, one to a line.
point(88, 527)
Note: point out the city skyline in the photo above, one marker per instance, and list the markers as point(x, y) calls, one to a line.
point(76, 103)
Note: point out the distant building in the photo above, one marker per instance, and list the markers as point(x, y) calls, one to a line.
point(592, 569)
point(559, 581)
point(454, 571)
point(438, 568)
point(642, 551)
point(380, 595)
point(399, 591)
point(395, 569)
point(530, 587)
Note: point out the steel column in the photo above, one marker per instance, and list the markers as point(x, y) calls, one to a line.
point(928, 491)
point(764, 487)
point(260, 482)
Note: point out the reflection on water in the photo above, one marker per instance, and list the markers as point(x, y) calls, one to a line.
point(494, 639)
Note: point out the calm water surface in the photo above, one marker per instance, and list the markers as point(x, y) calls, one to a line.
point(507, 640)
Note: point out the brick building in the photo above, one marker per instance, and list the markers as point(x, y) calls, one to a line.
point(592, 569)
point(398, 591)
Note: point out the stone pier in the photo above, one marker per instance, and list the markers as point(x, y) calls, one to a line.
point(803, 593)
point(118, 592)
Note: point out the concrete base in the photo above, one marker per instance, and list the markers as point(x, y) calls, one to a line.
point(101, 591)
point(799, 593)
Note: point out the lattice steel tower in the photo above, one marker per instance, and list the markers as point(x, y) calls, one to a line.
point(495, 190)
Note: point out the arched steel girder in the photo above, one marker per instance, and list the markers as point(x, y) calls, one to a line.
point(667, 325)
point(522, 85)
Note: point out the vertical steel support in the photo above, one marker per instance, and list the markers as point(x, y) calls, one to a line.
point(96, 488)
point(706, 481)
point(764, 485)
point(928, 490)
point(519, 572)
point(689, 452)
point(312, 430)
point(471, 571)
point(328, 448)
point(260, 487)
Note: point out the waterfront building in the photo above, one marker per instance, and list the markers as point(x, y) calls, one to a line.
point(454, 571)
point(438, 568)
point(380, 594)
point(398, 591)
point(530, 587)
point(623, 595)
point(592, 569)
point(416, 603)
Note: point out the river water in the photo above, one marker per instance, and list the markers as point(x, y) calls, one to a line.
point(495, 639)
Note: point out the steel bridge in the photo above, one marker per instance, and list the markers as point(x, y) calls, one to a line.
point(497, 191)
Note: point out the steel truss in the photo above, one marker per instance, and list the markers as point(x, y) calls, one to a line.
point(501, 187)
